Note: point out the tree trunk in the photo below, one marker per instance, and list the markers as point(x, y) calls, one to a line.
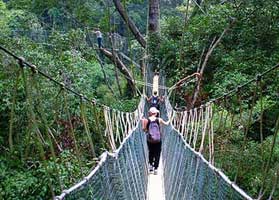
point(122, 68)
point(153, 42)
point(153, 39)
point(129, 22)
point(153, 19)
point(212, 46)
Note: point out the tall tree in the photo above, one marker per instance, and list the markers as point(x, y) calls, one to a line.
point(153, 37)
point(122, 11)
point(153, 16)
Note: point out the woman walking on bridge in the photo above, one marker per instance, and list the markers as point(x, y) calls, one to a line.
point(151, 126)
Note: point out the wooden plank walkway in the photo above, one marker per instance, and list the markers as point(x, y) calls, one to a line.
point(155, 84)
point(156, 189)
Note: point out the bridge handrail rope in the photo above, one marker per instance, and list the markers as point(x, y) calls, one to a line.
point(116, 50)
point(122, 123)
point(103, 159)
point(114, 119)
point(195, 161)
point(237, 89)
point(34, 69)
point(181, 119)
point(118, 122)
point(148, 84)
point(184, 122)
point(188, 124)
point(187, 127)
point(192, 122)
point(85, 179)
point(183, 81)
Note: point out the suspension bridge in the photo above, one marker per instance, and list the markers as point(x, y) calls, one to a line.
point(187, 168)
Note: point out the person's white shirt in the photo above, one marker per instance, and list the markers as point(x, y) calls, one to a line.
point(99, 34)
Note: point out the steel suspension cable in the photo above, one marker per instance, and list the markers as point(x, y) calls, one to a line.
point(60, 84)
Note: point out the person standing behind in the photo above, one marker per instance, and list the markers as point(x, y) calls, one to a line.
point(151, 125)
point(99, 37)
point(155, 100)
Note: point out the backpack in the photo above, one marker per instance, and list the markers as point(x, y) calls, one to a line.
point(153, 135)
point(154, 101)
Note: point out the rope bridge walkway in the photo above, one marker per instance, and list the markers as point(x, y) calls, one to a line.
point(187, 174)
point(187, 162)
point(198, 178)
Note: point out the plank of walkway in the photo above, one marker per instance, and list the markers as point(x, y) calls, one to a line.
point(156, 189)
point(155, 84)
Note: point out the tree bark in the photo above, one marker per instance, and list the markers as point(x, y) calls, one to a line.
point(130, 23)
point(129, 59)
point(122, 68)
point(153, 42)
point(104, 74)
point(153, 35)
point(153, 19)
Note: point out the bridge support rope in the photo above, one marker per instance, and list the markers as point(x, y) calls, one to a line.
point(188, 175)
point(119, 175)
point(123, 174)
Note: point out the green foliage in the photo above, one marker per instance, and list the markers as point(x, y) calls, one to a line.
point(54, 36)
point(236, 79)
point(154, 45)
point(242, 156)
point(42, 33)
point(20, 185)
point(32, 183)
point(243, 52)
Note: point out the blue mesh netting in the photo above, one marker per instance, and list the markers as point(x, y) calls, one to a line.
point(187, 175)
point(122, 175)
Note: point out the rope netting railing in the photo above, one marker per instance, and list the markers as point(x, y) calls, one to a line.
point(182, 156)
point(119, 175)
point(195, 126)
point(119, 124)
point(218, 133)
point(49, 121)
point(187, 145)
point(188, 175)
